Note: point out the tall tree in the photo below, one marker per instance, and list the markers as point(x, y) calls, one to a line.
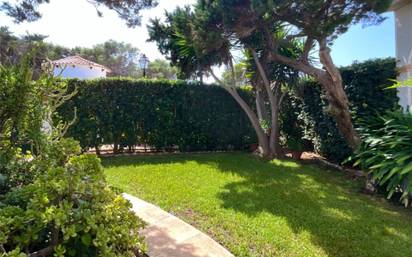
point(8, 45)
point(120, 57)
point(127, 10)
point(194, 46)
point(315, 22)
point(161, 69)
point(174, 39)
point(14, 48)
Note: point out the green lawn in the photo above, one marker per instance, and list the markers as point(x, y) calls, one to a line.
point(257, 208)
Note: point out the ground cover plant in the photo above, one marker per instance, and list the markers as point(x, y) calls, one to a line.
point(386, 153)
point(258, 208)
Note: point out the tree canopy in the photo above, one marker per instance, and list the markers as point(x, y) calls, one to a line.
point(128, 10)
point(195, 46)
point(206, 34)
point(161, 69)
point(120, 57)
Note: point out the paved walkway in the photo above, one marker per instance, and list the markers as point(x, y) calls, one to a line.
point(168, 236)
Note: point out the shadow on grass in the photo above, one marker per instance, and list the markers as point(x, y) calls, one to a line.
point(340, 220)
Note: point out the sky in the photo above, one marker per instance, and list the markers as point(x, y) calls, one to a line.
point(73, 23)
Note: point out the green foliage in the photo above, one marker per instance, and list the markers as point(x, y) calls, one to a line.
point(13, 49)
point(53, 200)
point(175, 40)
point(398, 84)
point(324, 19)
point(365, 85)
point(161, 69)
point(120, 57)
point(292, 126)
point(159, 113)
point(386, 152)
point(71, 209)
point(19, 97)
point(127, 10)
point(319, 126)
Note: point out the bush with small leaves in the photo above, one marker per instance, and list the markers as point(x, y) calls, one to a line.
point(69, 210)
point(53, 201)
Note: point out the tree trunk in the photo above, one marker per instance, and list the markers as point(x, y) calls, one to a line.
point(275, 136)
point(263, 140)
point(274, 106)
point(96, 146)
point(260, 104)
point(115, 147)
point(332, 84)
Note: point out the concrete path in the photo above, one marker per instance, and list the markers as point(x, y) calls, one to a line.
point(168, 236)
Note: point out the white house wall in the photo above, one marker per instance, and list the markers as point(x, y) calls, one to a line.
point(80, 72)
point(403, 18)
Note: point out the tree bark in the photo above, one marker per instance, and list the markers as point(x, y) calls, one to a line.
point(274, 106)
point(263, 140)
point(49, 249)
point(260, 104)
point(261, 135)
point(331, 83)
point(275, 125)
point(337, 98)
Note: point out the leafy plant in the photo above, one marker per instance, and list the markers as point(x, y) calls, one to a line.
point(365, 85)
point(53, 201)
point(160, 113)
point(292, 126)
point(386, 152)
point(69, 210)
point(398, 84)
point(295, 144)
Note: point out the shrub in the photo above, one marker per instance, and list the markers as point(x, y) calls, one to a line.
point(386, 152)
point(159, 113)
point(53, 201)
point(292, 126)
point(69, 211)
point(365, 85)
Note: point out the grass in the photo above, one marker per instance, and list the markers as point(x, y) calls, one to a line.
point(257, 208)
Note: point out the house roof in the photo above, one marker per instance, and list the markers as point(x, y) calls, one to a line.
point(77, 60)
point(397, 4)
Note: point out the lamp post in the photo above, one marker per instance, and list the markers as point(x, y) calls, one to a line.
point(143, 63)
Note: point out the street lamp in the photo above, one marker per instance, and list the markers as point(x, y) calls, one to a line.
point(144, 63)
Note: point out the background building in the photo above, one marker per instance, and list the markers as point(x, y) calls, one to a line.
point(78, 67)
point(403, 20)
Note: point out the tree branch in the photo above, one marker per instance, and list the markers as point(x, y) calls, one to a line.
point(281, 99)
point(246, 108)
point(272, 100)
point(216, 78)
point(306, 50)
point(49, 249)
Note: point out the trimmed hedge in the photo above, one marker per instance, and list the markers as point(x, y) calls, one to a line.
point(364, 84)
point(158, 113)
point(193, 117)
